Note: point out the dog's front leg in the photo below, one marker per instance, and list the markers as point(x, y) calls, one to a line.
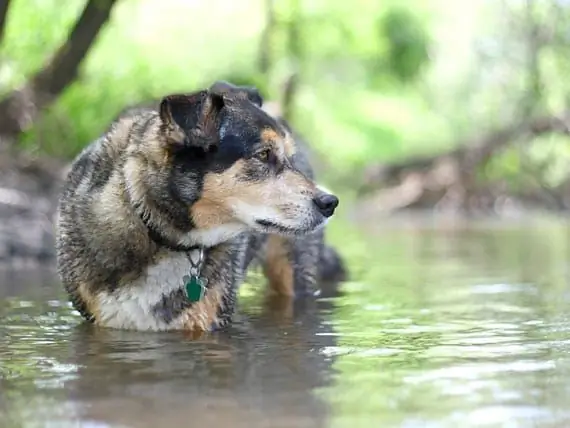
point(212, 312)
point(291, 264)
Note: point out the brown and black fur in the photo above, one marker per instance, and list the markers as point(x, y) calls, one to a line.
point(193, 172)
point(283, 254)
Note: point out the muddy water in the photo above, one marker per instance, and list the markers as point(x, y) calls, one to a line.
point(444, 325)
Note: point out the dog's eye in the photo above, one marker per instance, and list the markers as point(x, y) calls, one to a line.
point(264, 155)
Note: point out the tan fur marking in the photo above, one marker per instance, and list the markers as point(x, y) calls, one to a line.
point(207, 213)
point(219, 189)
point(269, 136)
point(204, 313)
point(277, 267)
point(282, 145)
point(90, 300)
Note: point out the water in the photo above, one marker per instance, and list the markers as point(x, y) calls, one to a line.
point(444, 325)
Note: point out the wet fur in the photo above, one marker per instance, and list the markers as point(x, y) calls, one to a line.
point(162, 180)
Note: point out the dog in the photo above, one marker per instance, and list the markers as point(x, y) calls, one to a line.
point(160, 218)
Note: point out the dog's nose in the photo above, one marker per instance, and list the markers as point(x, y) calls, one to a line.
point(326, 203)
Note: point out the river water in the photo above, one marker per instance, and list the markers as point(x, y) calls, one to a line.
point(443, 324)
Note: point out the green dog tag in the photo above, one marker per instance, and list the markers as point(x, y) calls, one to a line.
point(195, 288)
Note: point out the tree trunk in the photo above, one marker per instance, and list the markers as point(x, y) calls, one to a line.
point(264, 60)
point(450, 177)
point(20, 108)
point(295, 53)
point(4, 5)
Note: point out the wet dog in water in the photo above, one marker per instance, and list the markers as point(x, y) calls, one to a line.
point(160, 218)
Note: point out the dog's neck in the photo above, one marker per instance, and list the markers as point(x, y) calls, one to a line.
point(161, 240)
point(168, 236)
point(195, 253)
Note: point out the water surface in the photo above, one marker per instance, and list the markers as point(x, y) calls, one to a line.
point(444, 324)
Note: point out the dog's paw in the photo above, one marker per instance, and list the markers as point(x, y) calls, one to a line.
point(195, 334)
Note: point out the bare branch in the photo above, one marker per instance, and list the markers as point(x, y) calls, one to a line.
point(266, 38)
point(295, 52)
point(4, 5)
point(20, 108)
point(448, 181)
point(476, 152)
point(289, 92)
point(63, 68)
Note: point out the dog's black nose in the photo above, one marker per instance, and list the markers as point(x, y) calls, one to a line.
point(326, 203)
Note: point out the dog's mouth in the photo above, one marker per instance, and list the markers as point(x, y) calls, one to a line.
point(282, 229)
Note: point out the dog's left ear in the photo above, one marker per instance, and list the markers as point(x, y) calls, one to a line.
point(244, 92)
point(192, 120)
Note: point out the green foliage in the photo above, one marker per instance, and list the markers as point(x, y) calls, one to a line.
point(379, 81)
point(407, 40)
point(146, 51)
point(35, 28)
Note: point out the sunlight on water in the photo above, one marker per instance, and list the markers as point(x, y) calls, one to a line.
point(440, 327)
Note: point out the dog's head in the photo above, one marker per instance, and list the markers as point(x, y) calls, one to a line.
point(234, 165)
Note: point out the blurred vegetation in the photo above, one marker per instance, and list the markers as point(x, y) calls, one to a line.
point(365, 82)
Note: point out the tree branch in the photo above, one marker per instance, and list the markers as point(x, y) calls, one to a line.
point(4, 5)
point(447, 181)
point(264, 60)
point(289, 92)
point(475, 152)
point(295, 52)
point(20, 108)
point(62, 70)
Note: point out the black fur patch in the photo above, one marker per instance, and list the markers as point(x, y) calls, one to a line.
point(155, 235)
point(172, 305)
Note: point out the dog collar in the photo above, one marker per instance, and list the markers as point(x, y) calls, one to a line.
point(196, 257)
point(194, 284)
point(163, 241)
point(157, 237)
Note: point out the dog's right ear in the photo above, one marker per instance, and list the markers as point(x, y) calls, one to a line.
point(191, 120)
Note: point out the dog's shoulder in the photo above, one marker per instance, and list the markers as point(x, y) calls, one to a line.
point(136, 110)
point(94, 165)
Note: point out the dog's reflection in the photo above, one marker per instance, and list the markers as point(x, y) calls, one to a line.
point(266, 370)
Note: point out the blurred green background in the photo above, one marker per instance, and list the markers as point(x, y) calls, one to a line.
point(376, 82)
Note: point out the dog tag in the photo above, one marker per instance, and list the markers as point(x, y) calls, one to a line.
point(195, 288)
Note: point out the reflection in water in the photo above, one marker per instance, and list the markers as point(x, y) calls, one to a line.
point(446, 326)
point(261, 372)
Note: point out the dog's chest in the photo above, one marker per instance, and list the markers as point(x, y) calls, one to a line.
point(132, 306)
point(165, 275)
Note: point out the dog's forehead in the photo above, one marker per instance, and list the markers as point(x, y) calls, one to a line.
point(280, 140)
point(263, 128)
point(273, 134)
point(244, 110)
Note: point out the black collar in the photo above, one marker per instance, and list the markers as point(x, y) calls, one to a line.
point(163, 241)
point(158, 238)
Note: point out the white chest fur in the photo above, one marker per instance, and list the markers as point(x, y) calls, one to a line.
point(131, 306)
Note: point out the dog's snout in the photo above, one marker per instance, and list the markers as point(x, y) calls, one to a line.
point(326, 203)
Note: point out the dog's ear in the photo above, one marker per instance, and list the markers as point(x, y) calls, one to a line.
point(192, 119)
point(244, 92)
